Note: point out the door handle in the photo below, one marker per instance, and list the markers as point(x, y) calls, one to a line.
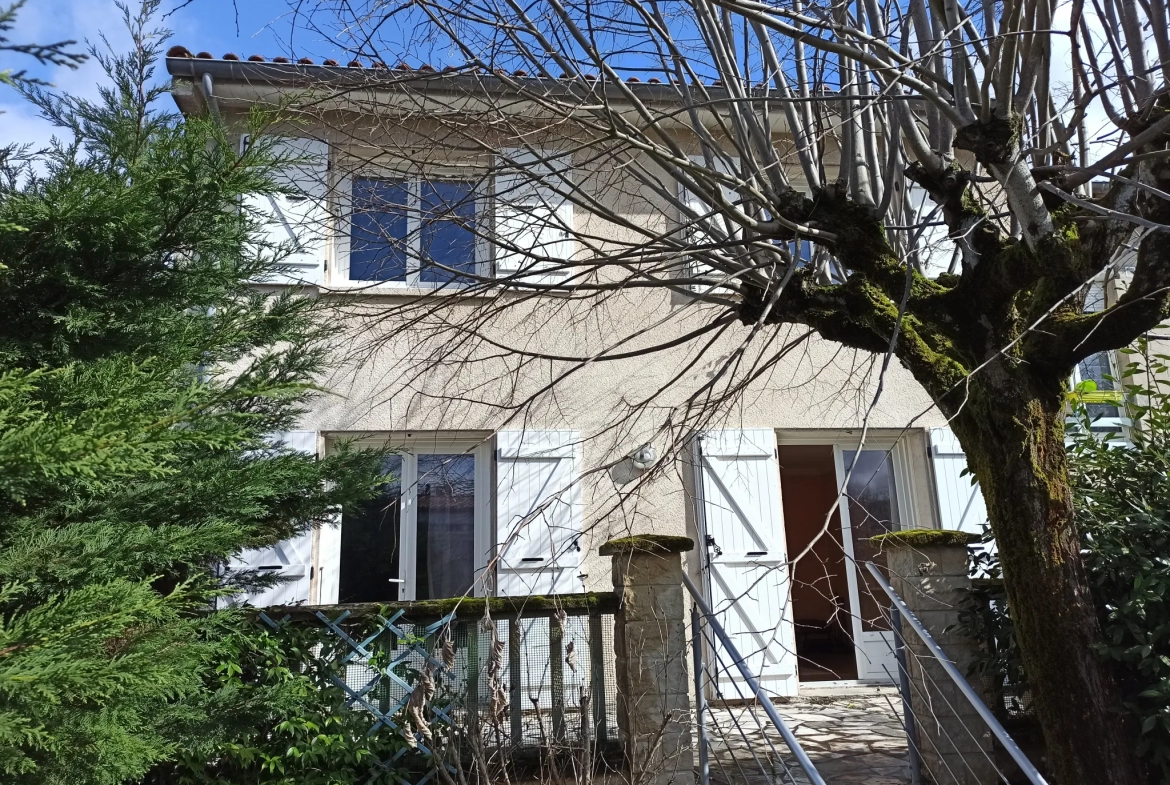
point(757, 553)
point(395, 580)
point(709, 541)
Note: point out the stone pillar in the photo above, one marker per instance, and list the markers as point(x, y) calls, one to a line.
point(928, 570)
point(650, 643)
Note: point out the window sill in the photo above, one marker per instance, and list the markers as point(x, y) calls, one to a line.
point(474, 292)
point(358, 289)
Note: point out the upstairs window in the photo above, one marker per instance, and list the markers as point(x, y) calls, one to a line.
point(1095, 380)
point(414, 232)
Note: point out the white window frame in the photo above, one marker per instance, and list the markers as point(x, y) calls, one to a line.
point(327, 557)
point(338, 273)
point(1119, 424)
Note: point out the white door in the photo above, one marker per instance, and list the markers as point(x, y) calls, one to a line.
point(425, 537)
point(746, 559)
point(869, 507)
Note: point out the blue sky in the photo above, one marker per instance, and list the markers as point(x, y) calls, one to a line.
point(217, 26)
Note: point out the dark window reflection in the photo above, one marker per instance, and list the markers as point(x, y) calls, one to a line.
point(448, 231)
point(873, 510)
point(446, 526)
point(369, 543)
point(377, 235)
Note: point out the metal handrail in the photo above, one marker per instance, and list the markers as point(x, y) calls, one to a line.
point(765, 701)
point(972, 697)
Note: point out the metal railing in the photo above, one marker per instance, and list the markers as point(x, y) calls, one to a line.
point(899, 612)
point(703, 620)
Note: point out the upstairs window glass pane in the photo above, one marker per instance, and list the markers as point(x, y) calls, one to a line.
point(448, 231)
point(1098, 369)
point(378, 230)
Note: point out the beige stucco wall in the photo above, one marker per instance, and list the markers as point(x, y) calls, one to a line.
point(402, 368)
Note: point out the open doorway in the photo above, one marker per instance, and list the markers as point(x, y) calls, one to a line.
point(820, 585)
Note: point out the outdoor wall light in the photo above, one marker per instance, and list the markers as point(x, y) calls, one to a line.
point(644, 457)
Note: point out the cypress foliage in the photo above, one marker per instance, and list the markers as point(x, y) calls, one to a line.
point(140, 376)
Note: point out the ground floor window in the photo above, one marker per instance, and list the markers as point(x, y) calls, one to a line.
point(423, 537)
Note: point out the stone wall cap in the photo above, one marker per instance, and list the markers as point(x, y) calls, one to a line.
point(924, 538)
point(647, 543)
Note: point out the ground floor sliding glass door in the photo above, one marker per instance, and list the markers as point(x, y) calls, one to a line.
point(425, 536)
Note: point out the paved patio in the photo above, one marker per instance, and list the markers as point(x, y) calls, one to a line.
point(853, 736)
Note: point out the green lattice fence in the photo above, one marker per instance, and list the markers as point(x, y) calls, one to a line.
point(528, 684)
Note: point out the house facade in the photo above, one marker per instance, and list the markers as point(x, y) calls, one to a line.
point(513, 466)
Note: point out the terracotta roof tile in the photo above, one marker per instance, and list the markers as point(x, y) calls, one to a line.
point(182, 51)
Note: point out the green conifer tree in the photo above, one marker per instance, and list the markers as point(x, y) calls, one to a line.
point(140, 377)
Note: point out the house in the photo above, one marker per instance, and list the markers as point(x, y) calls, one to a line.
point(505, 483)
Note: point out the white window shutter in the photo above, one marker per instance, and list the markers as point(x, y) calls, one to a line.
point(300, 220)
point(742, 513)
point(696, 234)
point(538, 512)
point(934, 245)
point(533, 216)
point(292, 558)
point(960, 501)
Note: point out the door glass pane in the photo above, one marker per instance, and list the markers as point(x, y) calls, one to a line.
point(369, 543)
point(445, 565)
point(448, 231)
point(873, 510)
point(377, 233)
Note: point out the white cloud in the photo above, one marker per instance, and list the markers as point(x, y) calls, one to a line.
point(49, 21)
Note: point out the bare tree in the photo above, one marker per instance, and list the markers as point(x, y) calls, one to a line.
point(765, 164)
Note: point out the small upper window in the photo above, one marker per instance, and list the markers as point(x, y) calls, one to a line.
point(418, 232)
point(1101, 401)
point(1095, 381)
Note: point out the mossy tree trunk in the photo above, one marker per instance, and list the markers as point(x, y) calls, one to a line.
point(1015, 447)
